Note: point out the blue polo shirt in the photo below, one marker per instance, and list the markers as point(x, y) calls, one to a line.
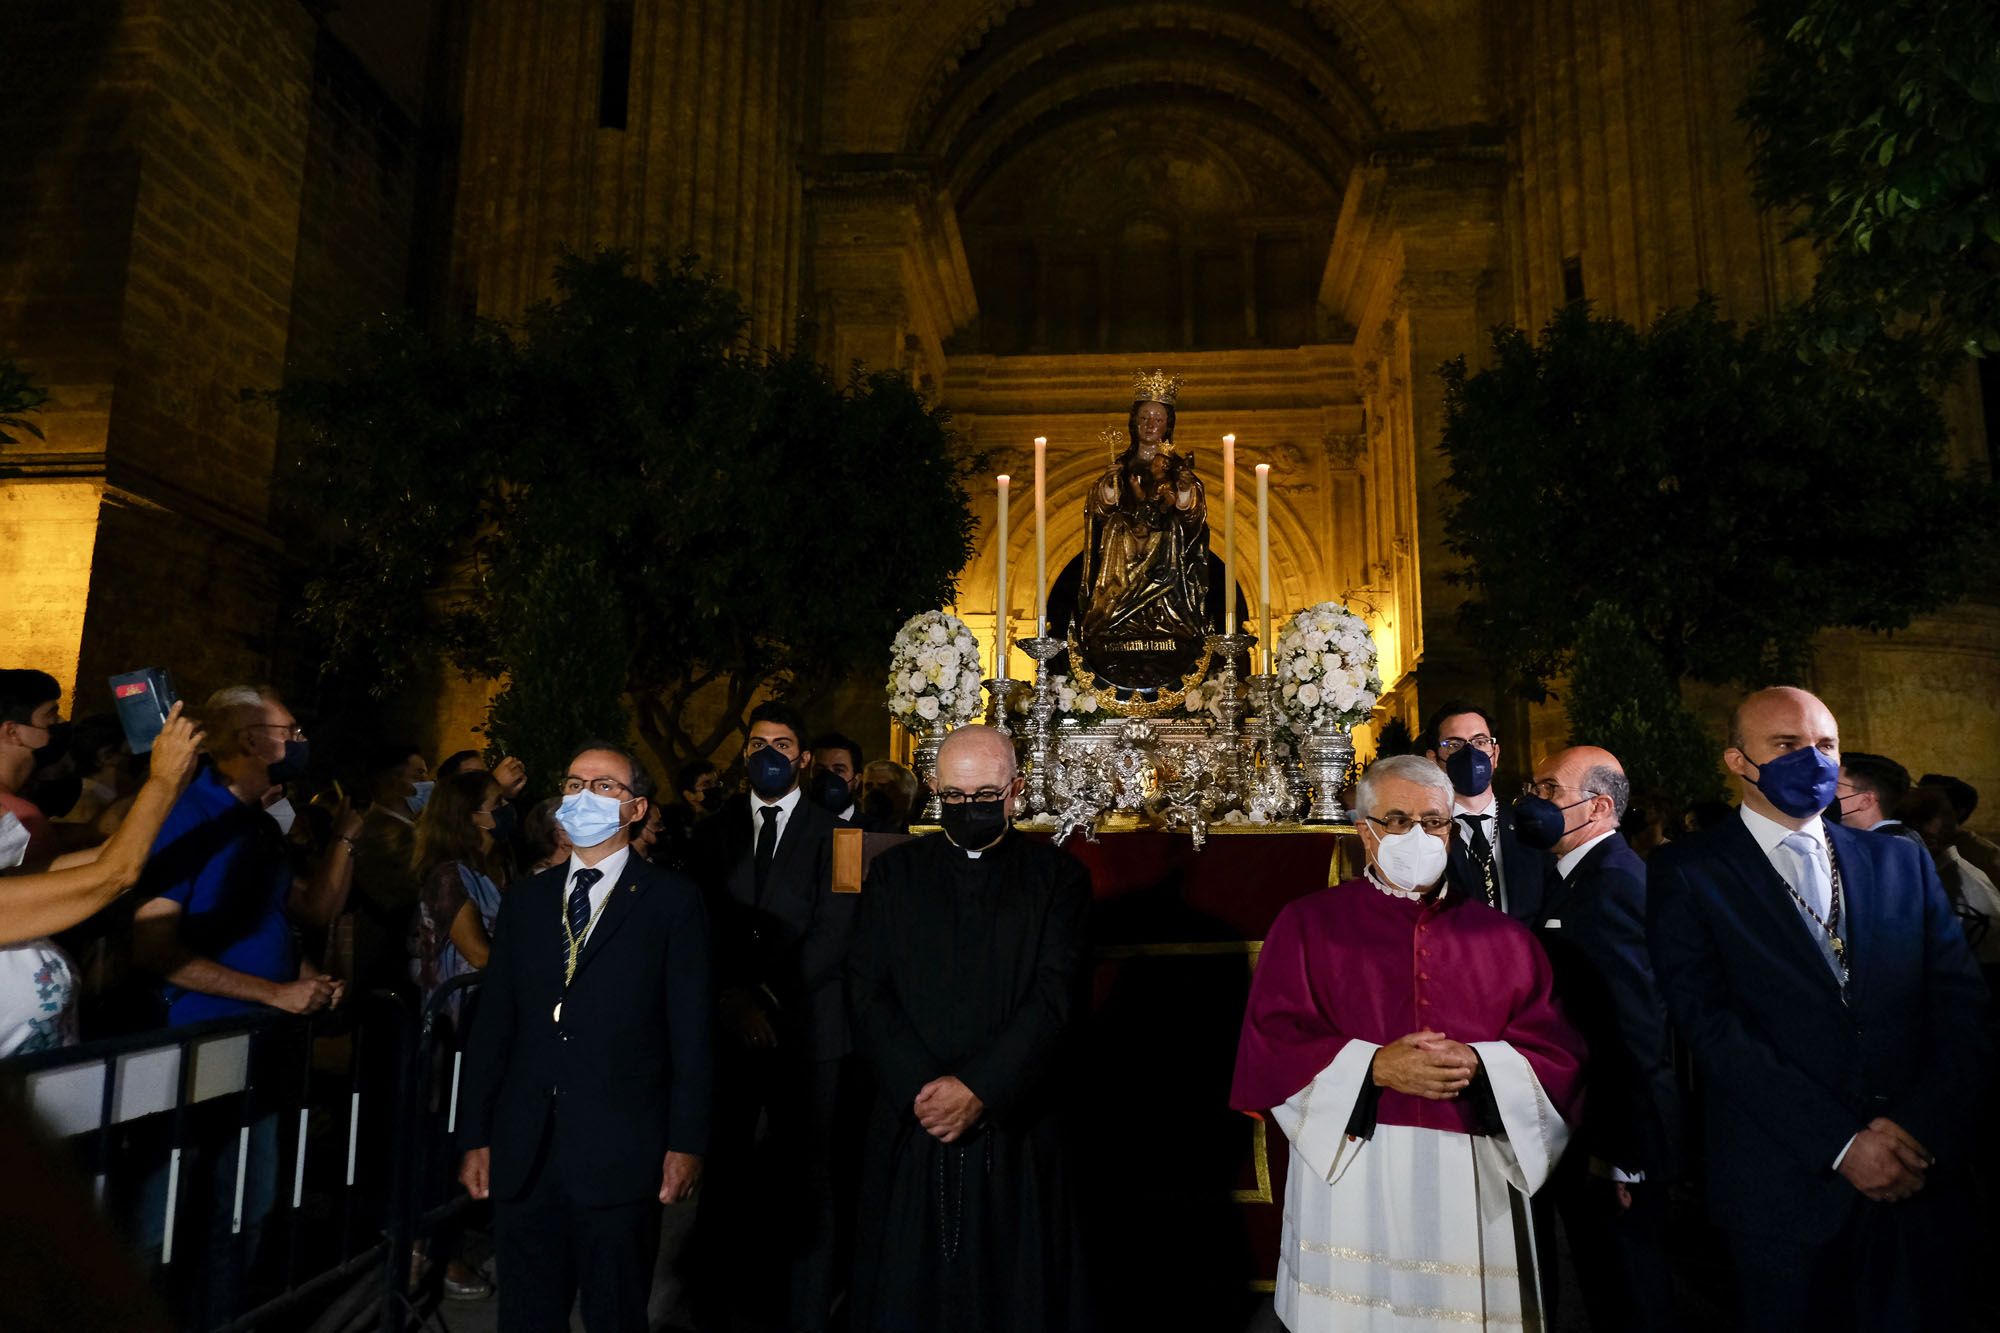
point(224, 862)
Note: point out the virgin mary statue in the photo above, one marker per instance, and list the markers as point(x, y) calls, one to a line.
point(1144, 594)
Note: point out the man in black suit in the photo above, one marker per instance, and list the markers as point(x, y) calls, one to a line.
point(837, 764)
point(1611, 1188)
point(1837, 1021)
point(1870, 795)
point(1488, 862)
point(766, 863)
point(588, 1079)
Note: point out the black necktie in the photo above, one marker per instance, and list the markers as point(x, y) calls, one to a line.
point(579, 903)
point(767, 846)
point(1482, 854)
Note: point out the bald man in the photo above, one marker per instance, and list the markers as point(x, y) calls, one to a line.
point(1837, 1022)
point(1611, 1188)
point(964, 979)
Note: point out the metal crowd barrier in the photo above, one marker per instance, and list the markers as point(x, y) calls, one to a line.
point(129, 1107)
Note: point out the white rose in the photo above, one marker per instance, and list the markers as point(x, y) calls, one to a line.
point(938, 634)
point(969, 683)
point(927, 708)
point(1291, 688)
point(1087, 703)
point(917, 682)
point(947, 658)
point(965, 644)
point(1193, 699)
point(1309, 695)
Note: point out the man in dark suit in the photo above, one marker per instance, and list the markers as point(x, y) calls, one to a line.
point(1838, 1024)
point(1611, 1188)
point(837, 761)
point(1488, 862)
point(1870, 795)
point(588, 1082)
point(766, 863)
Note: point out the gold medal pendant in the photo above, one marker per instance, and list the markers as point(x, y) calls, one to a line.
point(557, 1014)
point(1839, 949)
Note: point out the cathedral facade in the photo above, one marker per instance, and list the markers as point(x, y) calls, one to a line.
point(1302, 207)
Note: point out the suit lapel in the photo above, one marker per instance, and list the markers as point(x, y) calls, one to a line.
point(1767, 888)
point(621, 904)
point(797, 831)
point(1860, 903)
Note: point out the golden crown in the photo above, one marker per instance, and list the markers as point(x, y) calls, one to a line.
point(1155, 386)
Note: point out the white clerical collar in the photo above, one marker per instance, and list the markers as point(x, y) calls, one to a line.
point(1572, 858)
point(1376, 878)
point(1771, 835)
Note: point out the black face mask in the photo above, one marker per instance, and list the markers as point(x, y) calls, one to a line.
point(297, 755)
point(55, 747)
point(707, 802)
point(832, 792)
point(503, 824)
point(972, 825)
point(879, 805)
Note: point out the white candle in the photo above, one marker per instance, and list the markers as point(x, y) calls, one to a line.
point(1229, 534)
point(1264, 561)
point(1000, 600)
point(1041, 535)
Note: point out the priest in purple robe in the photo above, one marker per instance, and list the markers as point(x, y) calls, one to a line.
point(1407, 1042)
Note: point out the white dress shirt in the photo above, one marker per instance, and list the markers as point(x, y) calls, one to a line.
point(613, 866)
point(1771, 835)
point(785, 805)
point(1572, 858)
point(1489, 824)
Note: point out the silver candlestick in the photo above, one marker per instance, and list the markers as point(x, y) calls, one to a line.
point(1000, 696)
point(1230, 707)
point(1041, 720)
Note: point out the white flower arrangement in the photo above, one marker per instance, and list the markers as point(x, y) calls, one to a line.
point(1072, 701)
point(933, 672)
point(1326, 669)
point(1204, 700)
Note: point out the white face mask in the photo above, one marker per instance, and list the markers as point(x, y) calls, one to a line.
point(281, 810)
point(1411, 860)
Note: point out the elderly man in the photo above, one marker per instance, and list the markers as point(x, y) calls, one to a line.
point(1406, 1040)
point(1612, 1188)
point(1837, 1020)
point(966, 968)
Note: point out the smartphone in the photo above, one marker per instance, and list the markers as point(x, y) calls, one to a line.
point(144, 699)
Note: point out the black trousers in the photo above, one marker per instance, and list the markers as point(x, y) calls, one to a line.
point(1891, 1268)
point(1620, 1253)
point(551, 1250)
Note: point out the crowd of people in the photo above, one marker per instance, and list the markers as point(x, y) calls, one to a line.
point(1471, 1048)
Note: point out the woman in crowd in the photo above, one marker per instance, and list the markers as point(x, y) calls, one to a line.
point(460, 869)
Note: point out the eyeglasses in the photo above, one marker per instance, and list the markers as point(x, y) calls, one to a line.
point(289, 731)
point(953, 796)
point(1549, 788)
point(597, 786)
point(1402, 823)
point(1452, 745)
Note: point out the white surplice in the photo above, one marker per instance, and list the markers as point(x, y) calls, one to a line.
point(1412, 1229)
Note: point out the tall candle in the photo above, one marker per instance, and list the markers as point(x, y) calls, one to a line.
point(1041, 535)
point(1264, 562)
point(1000, 601)
point(1229, 534)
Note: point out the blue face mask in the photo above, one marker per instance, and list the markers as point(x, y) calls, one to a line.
point(589, 819)
point(1540, 823)
point(770, 773)
point(1799, 782)
point(1470, 770)
point(421, 797)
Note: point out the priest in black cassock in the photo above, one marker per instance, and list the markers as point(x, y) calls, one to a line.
point(966, 979)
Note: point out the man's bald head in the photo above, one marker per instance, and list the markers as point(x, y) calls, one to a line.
point(1589, 784)
point(975, 757)
point(1771, 723)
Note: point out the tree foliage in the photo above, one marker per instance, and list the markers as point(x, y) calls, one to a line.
point(1878, 121)
point(1621, 698)
point(19, 396)
point(1731, 498)
point(618, 511)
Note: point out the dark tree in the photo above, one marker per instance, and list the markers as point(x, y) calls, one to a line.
point(618, 511)
point(1730, 499)
point(1879, 124)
